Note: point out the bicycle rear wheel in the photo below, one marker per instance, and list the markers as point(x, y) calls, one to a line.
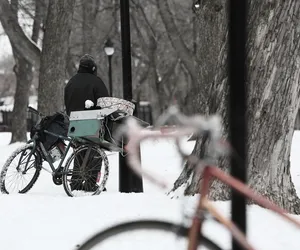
point(166, 235)
point(91, 179)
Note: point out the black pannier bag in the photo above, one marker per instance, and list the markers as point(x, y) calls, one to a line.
point(112, 124)
point(57, 123)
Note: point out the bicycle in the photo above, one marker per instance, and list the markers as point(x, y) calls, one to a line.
point(31, 156)
point(210, 129)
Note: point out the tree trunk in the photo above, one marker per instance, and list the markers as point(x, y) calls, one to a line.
point(204, 97)
point(24, 77)
point(273, 100)
point(53, 59)
point(152, 80)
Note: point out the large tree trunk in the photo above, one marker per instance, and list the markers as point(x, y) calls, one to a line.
point(273, 100)
point(204, 97)
point(53, 59)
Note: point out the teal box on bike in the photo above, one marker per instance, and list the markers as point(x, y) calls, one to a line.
point(87, 123)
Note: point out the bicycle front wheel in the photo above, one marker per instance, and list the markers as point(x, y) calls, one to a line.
point(145, 234)
point(20, 171)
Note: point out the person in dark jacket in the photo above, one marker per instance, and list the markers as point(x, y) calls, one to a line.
point(85, 85)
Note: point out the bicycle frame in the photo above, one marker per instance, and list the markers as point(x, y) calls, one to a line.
point(137, 134)
point(77, 139)
point(210, 172)
point(46, 154)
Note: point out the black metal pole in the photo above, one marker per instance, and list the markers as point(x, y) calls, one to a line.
point(128, 180)
point(110, 76)
point(238, 106)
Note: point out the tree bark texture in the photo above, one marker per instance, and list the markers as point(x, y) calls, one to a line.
point(273, 100)
point(53, 59)
point(274, 64)
point(211, 59)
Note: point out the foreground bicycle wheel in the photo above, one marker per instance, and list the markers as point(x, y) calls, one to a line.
point(144, 234)
point(88, 181)
point(15, 176)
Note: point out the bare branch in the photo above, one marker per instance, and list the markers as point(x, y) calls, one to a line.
point(183, 52)
point(26, 47)
point(141, 12)
point(38, 19)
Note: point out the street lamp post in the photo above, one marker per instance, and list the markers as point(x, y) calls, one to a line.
point(128, 180)
point(109, 51)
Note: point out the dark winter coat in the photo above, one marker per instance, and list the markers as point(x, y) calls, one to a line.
point(81, 87)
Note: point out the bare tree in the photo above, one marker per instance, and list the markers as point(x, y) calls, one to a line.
point(53, 59)
point(167, 78)
point(273, 99)
point(183, 52)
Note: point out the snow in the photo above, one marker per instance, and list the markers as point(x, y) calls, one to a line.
point(4, 44)
point(8, 103)
point(45, 218)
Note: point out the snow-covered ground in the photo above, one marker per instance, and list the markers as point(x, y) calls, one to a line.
point(45, 218)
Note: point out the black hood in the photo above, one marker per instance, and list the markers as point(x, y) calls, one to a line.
point(87, 64)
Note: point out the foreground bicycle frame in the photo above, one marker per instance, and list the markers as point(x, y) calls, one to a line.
point(192, 125)
point(205, 206)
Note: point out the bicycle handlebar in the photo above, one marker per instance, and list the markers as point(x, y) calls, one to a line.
point(196, 124)
point(33, 110)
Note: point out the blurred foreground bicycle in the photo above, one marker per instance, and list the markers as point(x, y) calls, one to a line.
point(191, 237)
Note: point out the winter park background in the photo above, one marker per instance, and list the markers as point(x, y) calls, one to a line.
point(178, 53)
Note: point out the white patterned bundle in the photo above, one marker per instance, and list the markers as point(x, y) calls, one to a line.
point(122, 105)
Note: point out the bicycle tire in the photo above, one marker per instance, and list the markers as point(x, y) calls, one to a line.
point(8, 162)
point(106, 169)
point(179, 230)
